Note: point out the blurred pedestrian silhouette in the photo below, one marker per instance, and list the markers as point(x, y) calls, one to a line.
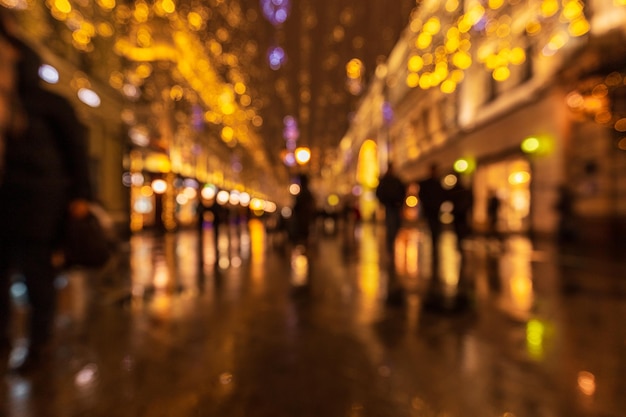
point(565, 209)
point(463, 200)
point(391, 193)
point(493, 212)
point(212, 217)
point(304, 213)
point(45, 178)
point(431, 196)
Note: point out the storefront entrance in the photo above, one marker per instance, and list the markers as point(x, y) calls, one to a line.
point(509, 181)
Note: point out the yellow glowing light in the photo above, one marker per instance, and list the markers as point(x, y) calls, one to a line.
point(227, 134)
point(142, 12)
point(453, 33)
point(144, 70)
point(530, 145)
point(432, 26)
point(146, 191)
point(461, 165)
point(457, 76)
point(367, 164)
point(520, 177)
point(415, 64)
point(333, 200)
point(423, 40)
point(535, 331)
point(558, 40)
point(63, 6)
point(572, 10)
point(533, 27)
point(503, 31)
point(451, 5)
point(144, 37)
point(412, 80)
point(106, 4)
point(354, 68)
point(240, 88)
point(462, 60)
point(452, 44)
point(411, 201)
point(579, 27)
point(495, 4)
point(195, 20)
point(81, 37)
point(448, 86)
point(475, 14)
point(549, 7)
point(168, 6)
point(517, 56)
point(104, 29)
point(501, 73)
point(425, 81)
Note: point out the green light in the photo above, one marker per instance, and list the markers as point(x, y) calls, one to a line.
point(461, 165)
point(530, 145)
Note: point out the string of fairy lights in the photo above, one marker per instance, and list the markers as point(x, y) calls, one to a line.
point(448, 38)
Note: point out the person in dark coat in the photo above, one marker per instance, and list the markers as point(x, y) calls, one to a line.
point(431, 196)
point(391, 192)
point(45, 179)
point(463, 201)
point(304, 213)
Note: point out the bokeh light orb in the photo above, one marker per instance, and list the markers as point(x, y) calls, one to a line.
point(276, 57)
point(276, 11)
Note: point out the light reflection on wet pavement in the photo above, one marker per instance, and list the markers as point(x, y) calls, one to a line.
point(257, 328)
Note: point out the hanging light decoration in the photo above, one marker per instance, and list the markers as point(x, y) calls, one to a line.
point(276, 11)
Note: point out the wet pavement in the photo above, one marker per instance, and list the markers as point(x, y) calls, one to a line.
point(255, 328)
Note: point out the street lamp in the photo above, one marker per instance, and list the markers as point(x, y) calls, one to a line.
point(303, 155)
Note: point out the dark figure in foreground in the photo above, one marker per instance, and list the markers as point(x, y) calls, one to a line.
point(493, 212)
point(463, 201)
point(431, 196)
point(565, 208)
point(45, 179)
point(391, 193)
point(304, 212)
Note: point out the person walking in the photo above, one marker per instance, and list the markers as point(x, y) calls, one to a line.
point(45, 179)
point(303, 214)
point(391, 192)
point(431, 195)
point(463, 202)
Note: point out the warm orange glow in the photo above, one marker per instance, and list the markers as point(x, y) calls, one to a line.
point(367, 166)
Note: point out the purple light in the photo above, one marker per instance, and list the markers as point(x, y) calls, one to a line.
point(290, 159)
point(275, 11)
point(276, 57)
point(290, 131)
point(387, 112)
point(290, 144)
